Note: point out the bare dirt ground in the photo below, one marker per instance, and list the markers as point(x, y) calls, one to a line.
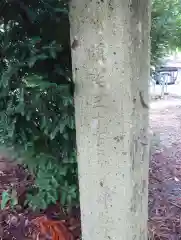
point(165, 170)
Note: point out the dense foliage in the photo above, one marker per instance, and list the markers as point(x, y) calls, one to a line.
point(165, 28)
point(36, 96)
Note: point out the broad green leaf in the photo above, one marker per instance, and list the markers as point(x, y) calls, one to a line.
point(14, 198)
point(63, 197)
point(5, 199)
point(53, 53)
point(61, 10)
point(61, 127)
point(65, 135)
point(53, 134)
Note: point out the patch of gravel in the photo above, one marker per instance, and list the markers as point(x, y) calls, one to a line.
point(165, 120)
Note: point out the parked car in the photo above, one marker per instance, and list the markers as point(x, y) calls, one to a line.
point(166, 74)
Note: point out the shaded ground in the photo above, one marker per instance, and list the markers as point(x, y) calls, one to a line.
point(165, 170)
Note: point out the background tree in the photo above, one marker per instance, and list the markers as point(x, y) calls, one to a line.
point(165, 28)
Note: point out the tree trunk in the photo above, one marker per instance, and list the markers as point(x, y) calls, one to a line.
point(110, 61)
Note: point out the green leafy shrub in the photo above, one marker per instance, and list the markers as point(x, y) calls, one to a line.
point(36, 96)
